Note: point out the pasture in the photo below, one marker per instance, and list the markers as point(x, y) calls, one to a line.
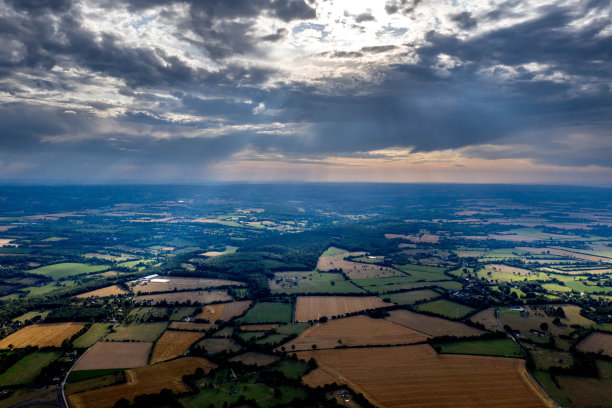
point(259, 327)
point(355, 270)
point(41, 335)
point(223, 311)
point(597, 342)
point(268, 312)
point(114, 377)
point(354, 331)
point(415, 376)
point(31, 315)
point(95, 332)
point(333, 251)
point(106, 355)
point(173, 344)
point(409, 298)
point(144, 380)
point(255, 358)
point(496, 347)
point(487, 319)
point(446, 308)
point(64, 270)
point(28, 368)
point(309, 308)
point(190, 326)
point(171, 283)
point(311, 282)
point(407, 285)
point(145, 332)
point(432, 326)
point(218, 345)
point(180, 313)
point(113, 290)
point(202, 297)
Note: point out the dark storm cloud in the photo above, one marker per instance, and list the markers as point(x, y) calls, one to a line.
point(360, 18)
point(279, 35)
point(464, 20)
point(402, 6)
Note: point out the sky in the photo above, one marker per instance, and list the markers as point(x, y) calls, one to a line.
point(466, 91)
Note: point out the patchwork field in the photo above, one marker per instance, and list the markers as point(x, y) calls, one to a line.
point(217, 345)
point(268, 312)
point(597, 342)
point(494, 347)
point(432, 326)
point(563, 252)
point(95, 332)
point(104, 292)
point(487, 319)
point(172, 344)
point(64, 270)
point(144, 380)
point(105, 355)
point(189, 326)
point(201, 297)
point(259, 327)
point(354, 331)
point(41, 335)
point(146, 332)
point(311, 282)
point(314, 307)
point(223, 311)
point(508, 269)
point(415, 376)
point(409, 298)
point(354, 270)
point(446, 308)
point(170, 283)
point(255, 358)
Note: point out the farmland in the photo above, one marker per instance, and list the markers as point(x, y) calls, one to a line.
point(354, 331)
point(597, 342)
point(217, 345)
point(254, 358)
point(144, 380)
point(104, 292)
point(146, 332)
point(354, 270)
point(201, 297)
point(415, 376)
point(445, 308)
point(95, 332)
point(310, 308)
point(432, 326)
point(105, 355)
point(495, 347)
point(41, 335)
point(409, 298)
point(190, 326)
point(65, 270)
point(312, 282)
point(171, 283)
point(28, 368)
point(173, 344)
point(268, 312)
point(223, 311)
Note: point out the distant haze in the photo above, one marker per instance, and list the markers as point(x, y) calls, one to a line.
point(131, 91)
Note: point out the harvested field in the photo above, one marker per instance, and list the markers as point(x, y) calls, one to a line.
point(415, 376)
point(597, 342)
point(314, 307)
point(255, 358)
point(172, 344)
point(169, 283)
point(41, 335)
point(355, 331)
point(508, 269)
point(223, 311)
point(318, 378)
point(104, 292)
point(487, 319)
point(145, 380)
point(189, 326)
point(202, 297)
point(259, 327)
point(104, 355)
point(432, 326)
point(217, 345)
point(355, 270)
point(146, 332)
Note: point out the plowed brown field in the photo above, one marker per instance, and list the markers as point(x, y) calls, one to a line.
point(223, 311)
point(415, 376)
point(355, 331)
point(433, 326)
point(314, 307)
point(172, 344)
point(105, 355)
point(145, 380)
point(41, 335)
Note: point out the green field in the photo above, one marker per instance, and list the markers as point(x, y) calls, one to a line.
point(291, 369)
point(54, 239)
point(313, 282)
point(547, 383)
point(409, 298)
point(64, 270)
point(268, 312)
point(28, 368)
point(146, 332)
point(495, 347)
point(95, 332)
point(180, 313)
point(31, 315)
point(251, 335)
point(332, 251)
point(292, 328)
point(446, 308)
point(143, 314)
point(382, 289)
point(81, 375)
